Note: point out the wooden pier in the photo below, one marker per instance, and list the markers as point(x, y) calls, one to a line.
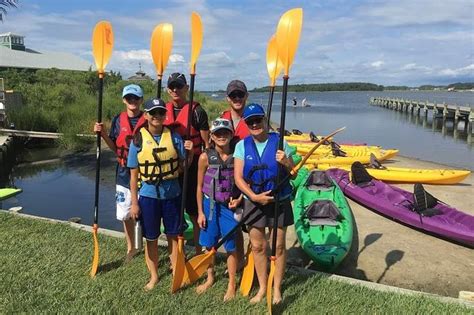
point(439, 111)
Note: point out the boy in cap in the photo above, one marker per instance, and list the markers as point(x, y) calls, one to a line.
point(155, 160)
point(177, 120)
point(118, 140)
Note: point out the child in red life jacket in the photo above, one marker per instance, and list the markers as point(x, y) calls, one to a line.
point(118, 140)
point(217, 199)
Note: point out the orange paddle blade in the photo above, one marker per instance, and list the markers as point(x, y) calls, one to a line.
point(160, 45)
point(196, 39)
point(270, 284)
point(248, 274)
point(95, 259)
point(274, 65)
point(201, 263)
point(179, 268)
point(102, 45)
point(288, 36)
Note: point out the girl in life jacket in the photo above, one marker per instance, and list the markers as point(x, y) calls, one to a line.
point(217, 199)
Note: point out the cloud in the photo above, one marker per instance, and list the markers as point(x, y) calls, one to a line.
point(467, 70)
point(377, 64)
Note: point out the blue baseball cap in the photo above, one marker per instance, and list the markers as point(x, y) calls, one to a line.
point(132, 89)
point(252, 110)
point(154, 103)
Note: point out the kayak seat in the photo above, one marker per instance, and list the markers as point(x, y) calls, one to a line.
point(424, 202)
point(296, 132)
point(336, 150)
point(318, 180)
point(323, 212)
point(360, 176)
point(374, 163)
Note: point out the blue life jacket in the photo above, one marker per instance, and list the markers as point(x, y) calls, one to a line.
point(261, 173)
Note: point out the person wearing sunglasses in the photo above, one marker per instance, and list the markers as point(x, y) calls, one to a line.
point(236, 97)
point(177, 119)
point(256, 163)
point(218, 199)
point(155, 161)
point(118, 140)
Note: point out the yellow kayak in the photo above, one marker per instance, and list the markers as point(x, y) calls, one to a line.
point(410, 175)
point(362, 157)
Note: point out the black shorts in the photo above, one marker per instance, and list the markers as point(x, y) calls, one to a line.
point(263, 216)
point(191, 202)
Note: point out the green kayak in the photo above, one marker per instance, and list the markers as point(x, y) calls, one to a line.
point(300, 176)
point(6, 193)
point(188, 233)
point(323, 220)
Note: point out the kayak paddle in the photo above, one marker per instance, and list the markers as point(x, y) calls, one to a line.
point(161, 44)
point(274, 67)
point(287, 37)
point(102, 44)
point(182, 269)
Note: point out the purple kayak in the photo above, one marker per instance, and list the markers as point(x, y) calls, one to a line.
point(428, 214)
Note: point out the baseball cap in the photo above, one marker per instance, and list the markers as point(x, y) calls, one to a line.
point(221, 123)
point(177, 78)
point(132, 89)
point(252, 110)
point(236, 85)
point(154, 103)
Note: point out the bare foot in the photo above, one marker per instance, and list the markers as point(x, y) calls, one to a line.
point(258, 297)
point(203, 287)
point(130, 256)
point(150, 285)
point(230, 294)
point(277, 297)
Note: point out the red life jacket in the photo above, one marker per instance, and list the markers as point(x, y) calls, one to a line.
point(241, 130)
point(125, 136)
point(178, 124)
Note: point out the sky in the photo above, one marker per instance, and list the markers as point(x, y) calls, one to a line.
point(402, 42)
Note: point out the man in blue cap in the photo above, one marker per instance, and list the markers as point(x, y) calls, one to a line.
point(118, 140)
point(256, 163)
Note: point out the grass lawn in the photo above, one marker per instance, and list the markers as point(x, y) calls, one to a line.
point(44, 267)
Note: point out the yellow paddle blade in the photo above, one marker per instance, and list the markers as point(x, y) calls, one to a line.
point(196, 39)
point(201, 263)
point(274, 65)
point(288, 35)
point(179, 268)
point(248, 274)
point(95, 259)
point(190, 275)
point(102, 45)
point(160, 45)
point(270, 285)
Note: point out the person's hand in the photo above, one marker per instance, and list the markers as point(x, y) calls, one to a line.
point(233, 203)
point(263, 198)
point(188, 145)
point(201, 221)
point(281, 158)
point(100, 128)
point(135, 211)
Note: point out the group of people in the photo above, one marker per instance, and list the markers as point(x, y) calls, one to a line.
point(232, 170)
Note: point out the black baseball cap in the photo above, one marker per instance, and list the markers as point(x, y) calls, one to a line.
point(236, 85)
point(177, 78)
point(154, 103)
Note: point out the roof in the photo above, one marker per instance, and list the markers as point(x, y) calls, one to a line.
point(24, 59)
point(11, 34)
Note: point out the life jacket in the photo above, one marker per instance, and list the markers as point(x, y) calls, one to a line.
point(178, 124)
point(261, 172)
point(241, 130)
point(125, 136)
point(157, 161)
point(218, 181)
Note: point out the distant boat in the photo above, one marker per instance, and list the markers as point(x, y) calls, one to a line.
point(304, 103)
point(215, 95)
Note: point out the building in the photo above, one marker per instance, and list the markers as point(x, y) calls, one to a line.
point(140, 75)
point(15, 54)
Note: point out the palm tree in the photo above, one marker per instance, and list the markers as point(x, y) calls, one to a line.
point(4, 4)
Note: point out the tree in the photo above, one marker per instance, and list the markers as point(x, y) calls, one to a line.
point(4, 5)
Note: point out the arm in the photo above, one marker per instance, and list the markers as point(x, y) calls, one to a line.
point(135, 209)
point(100, 128)
point(202, 167)
point(287, 162)
point(205, 137)
point(262, 198)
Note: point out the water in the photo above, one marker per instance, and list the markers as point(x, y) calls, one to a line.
point(65, 189)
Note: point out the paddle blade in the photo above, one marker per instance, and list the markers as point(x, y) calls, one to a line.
point(248, 274)
point(95, 259)
point(102, 45)
point(196, 39)
point(160, 45)
point(274, 65)
point(270, 285)
point(179, 268)
point(288, 36)
point(201, 263)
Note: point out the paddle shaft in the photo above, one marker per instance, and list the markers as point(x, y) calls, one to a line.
point(186, 163)
point(98, 142)
point(270, 102)
point(158, 88)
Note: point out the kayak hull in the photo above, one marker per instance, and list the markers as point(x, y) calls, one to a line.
point(6, 193)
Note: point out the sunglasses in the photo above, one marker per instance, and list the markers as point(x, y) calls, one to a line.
point(176, 86)
point(131, 97)
point(217, 123)
point(254, 121)
point(157, 112)
point(235, 94)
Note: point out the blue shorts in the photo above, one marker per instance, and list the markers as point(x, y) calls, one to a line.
point(153, 210)
point(221, 223)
